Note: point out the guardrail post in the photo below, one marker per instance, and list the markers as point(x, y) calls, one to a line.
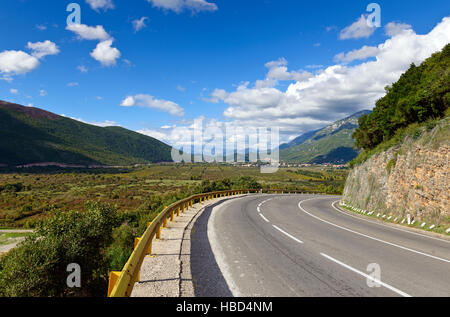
point(178, 211)
point(136, 241)
point(165, 222)
point(113, 277)
point(191, 203)
point(172, 213)
point(158, 232)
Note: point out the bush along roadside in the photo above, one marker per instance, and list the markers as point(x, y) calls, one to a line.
point(412, 223)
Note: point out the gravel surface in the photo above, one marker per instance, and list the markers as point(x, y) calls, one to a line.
point(166, 273)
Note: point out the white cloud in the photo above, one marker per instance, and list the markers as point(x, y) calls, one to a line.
point(42, 93)
point(336, 91)
point(314, 66)
point(161, 136)
point(41, 27)
point(82, 69)
point(14, 91)
point(16, 63)
point(106, 54)
point(278, 71)
point(148, 101)
point(101, 4)
point(358, 29)
point(181, 5)
point(106, 123)
point(360, 54)
point(42, 49)
point(72, 84)
point(181, 88)
point(139, 24)
point(85, 32)
point(392, 29)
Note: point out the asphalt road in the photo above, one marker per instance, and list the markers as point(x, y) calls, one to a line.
point(300, 245)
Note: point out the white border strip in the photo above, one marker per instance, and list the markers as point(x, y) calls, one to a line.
point(391, 227)
point(367, 276)
point(367, 236)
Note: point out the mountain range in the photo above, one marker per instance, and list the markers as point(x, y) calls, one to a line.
point(331, 144)
point(35, 136)
point(31, 135)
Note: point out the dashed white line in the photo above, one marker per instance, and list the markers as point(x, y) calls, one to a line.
point(287, 234)
point(367, 276)
point(367, 236)
point(262, 216)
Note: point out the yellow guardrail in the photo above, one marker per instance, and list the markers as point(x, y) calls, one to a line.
point(121, 283)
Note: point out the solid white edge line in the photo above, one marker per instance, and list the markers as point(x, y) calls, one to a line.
point(367, 276)
point(287, 234)
point(367, 236)
point(381, 224)
point(262, 216)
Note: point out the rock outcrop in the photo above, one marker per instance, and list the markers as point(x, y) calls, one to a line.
point(412, 177)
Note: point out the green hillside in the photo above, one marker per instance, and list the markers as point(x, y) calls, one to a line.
point(332, 144)
point(31, 135)
point(421, 94)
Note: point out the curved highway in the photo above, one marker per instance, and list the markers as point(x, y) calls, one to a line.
point(304, 245)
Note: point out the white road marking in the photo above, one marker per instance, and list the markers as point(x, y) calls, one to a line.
point(391, 227)
point(262, 216)
point(367, 276)
point(287, 234)
point(367, 236)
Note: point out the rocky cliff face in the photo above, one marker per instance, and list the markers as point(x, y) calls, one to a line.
point(409, 178)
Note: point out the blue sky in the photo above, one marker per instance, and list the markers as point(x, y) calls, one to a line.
point(295, 64)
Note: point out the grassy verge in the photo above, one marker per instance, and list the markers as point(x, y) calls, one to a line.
point(10, 238)
point(388, 218)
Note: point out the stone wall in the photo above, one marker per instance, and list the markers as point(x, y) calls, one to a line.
point(409, 178)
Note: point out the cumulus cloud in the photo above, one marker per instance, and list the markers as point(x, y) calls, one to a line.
point(147, 101)
point(360, 54)
point(85, 32)
point(139, 24)
point(101, 4)
point(42, 49)
point(393, 29)
point(14, 91)
point(336, 91)
point(105, 53)
point(178, 6)
point(359, 29)
point(16, 63)
point(161, 136)
point(278, 71)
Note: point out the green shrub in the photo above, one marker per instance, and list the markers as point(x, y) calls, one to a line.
point(37, 268)
point(122, 246)
point(390, 165)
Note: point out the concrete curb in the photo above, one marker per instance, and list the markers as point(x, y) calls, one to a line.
point(166, 273)
point(396, 222)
